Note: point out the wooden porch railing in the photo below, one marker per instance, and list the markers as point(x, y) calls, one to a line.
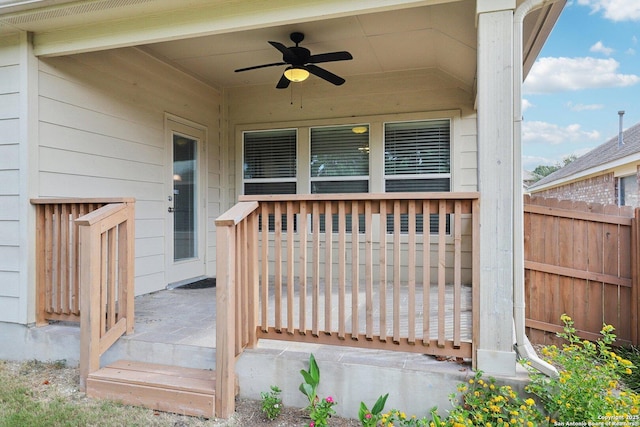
point(385, 271)
point(106, 277)
point(57, 239)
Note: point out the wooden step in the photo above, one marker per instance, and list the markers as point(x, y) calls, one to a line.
point(165, 388)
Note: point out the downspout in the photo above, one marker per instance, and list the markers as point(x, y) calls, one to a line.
point(523, 347)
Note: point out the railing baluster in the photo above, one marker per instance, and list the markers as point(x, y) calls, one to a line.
point(104, 272)
point(63, 261)
point(355, 267)
point(426, 271)
point(253, 279)
point(368, 236)
point(74, 284)
point(48, 261)
point(442, 231)
point(328, 264)
point(111, 277)
point(290, 268)
point(457, 273)
point(303, 267)
point(411, 265)
point(342, 267)
point(277, 268)
point(383, 271)
point(55, 264)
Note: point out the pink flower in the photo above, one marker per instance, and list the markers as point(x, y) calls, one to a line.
point(312, 424)
point(329, 399)
point(368, 416)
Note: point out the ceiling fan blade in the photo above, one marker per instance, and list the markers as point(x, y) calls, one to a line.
point(330, 57)
point(260, 66)
point(324, 74)
point(283, 83)
point(287, 54)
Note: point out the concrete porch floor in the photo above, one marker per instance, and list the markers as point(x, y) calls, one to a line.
point(177, 327)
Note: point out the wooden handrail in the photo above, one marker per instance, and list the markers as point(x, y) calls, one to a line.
point(346, 269)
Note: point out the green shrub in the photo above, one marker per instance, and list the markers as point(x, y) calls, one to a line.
point(272, 402)
point(486, 403)
point(588, 387)
point(632, 354)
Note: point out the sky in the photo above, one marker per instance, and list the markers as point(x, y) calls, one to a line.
point(588, 70)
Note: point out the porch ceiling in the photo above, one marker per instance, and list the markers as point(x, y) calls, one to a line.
point(210, 39)
point(441, 36)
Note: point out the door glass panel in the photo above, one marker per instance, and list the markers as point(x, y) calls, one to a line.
point(184, 198)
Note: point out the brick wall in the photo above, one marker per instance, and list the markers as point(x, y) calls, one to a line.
point(600, 189)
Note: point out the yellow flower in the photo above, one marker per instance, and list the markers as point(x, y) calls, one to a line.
point(529, 424)
point(403, 415)
point(627, 371)
point(530, 402)
point(471, 381)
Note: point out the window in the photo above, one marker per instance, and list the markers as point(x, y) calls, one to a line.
point(340, 159)
point(270, 165)
point(270, 162)
point(417, 158)
point(340, 164)
point(628, 191)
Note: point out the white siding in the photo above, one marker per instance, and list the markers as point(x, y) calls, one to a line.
point(102, 135)
point(10, 225)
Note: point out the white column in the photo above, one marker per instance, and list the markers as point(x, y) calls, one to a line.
point(495, 354)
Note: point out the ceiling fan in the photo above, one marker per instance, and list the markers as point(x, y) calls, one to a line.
point(300, 63)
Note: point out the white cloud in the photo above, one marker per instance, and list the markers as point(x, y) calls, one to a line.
point(526, 104)
point(601, 48)
point(584, 107)
point(551, 74)
point(615, 10)
point(549, 133)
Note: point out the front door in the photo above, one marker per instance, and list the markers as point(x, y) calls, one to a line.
point(185, 201)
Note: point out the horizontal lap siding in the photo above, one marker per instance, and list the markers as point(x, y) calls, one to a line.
point(102, 135)
point(10, 222)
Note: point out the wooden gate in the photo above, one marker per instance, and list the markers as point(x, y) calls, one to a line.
point(580, 259)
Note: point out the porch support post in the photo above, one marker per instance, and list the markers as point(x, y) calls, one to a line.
point(495, 353)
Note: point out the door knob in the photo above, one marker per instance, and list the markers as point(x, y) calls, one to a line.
point(171, 209)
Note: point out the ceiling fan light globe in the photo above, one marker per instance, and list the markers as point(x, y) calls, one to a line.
point(296, 75)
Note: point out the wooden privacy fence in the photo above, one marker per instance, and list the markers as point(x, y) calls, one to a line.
point(386, 271)
point(581, 259)
point(57, 256)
